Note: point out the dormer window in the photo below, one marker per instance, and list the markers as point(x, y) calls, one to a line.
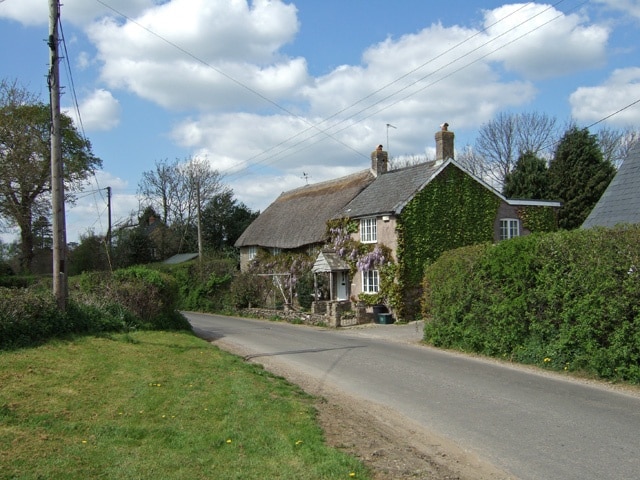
point(368, 230)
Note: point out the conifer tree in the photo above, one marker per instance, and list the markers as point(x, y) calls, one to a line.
point(578, 176)
point(529, 179)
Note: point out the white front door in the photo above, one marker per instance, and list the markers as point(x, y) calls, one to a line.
point(342, 291)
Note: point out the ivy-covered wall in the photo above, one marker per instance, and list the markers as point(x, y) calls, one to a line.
point(452, 211)
point(539, 219)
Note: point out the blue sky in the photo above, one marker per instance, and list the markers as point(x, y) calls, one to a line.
point(269, 90)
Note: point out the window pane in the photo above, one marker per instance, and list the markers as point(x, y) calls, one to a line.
point(370, 281)
point(368, 230)
point(509, 228)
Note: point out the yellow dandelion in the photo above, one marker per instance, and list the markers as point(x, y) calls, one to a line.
point(298, 442)
point(84, 441)
point(228, 440)
point(352, 474)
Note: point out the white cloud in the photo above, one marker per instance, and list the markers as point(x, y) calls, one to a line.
point(590, 104)
point(36, 12)
point(99, 111)
point(547, 43)
point(202, 53)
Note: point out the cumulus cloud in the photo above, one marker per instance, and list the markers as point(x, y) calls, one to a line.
point(202, 53)
point(99, 111)
point(262, 120)
point(617, 92)
point(546, 42)
point(36, 12)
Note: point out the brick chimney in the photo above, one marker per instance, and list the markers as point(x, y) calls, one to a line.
point(444, 143)
point(379, 159)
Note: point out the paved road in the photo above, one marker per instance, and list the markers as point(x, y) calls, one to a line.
point(532, 425)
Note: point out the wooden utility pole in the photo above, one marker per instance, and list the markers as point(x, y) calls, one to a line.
point(109, 215)
point(60, 288)
point(199, 212)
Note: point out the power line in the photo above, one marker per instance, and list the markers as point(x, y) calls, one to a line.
point(307, 142)
point(317, 125)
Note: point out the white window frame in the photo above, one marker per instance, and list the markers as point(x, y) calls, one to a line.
point(509, 228)
point(370, 281)
point(252, 252)
point(368, 230)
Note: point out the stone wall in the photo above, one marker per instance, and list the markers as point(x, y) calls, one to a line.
point(323, 313)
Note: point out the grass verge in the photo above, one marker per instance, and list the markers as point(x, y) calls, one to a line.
point(152, 405)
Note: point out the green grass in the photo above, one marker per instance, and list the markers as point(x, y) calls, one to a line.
point(155, 405)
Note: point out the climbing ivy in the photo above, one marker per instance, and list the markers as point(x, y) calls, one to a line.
point(538, 219)
point(452, 211)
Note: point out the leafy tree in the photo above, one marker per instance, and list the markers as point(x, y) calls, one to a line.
point(148, 240)
point(89, 255)
point(529, 179)
point(25, 161)
point(42, 233)
point(224, 220)
point(502, 140)
point(578, 176)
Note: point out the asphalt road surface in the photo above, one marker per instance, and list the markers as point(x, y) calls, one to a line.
point(530, 424)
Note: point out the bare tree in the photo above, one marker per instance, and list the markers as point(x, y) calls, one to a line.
point(471, 161)
point(179, 190)
point(502, 140)
point(615, 144)
point(159, 188)
point(203, 183)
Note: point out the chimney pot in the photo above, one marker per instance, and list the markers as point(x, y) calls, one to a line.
point(379, 159)
point(444, 143)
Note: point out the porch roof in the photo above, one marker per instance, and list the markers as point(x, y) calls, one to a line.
point(329, 261)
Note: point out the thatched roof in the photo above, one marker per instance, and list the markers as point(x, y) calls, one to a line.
point(620, 202)
point(299, 217)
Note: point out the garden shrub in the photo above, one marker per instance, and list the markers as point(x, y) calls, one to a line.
point(136, 297)
point(203, 286)
point(28, 317)
point(565, 300)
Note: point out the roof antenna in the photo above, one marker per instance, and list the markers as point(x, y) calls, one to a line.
point(305, 175)
point(392, 126)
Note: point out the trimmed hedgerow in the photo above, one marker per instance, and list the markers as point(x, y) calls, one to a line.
point(566, 300)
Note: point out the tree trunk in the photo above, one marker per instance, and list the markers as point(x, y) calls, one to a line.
point(26, 245)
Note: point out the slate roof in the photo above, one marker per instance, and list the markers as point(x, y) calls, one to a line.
point(390, 192)
point(298, 217)
point(180, 258)
point(620, 202)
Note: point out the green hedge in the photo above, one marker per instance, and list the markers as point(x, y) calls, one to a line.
point(565, 300)
point(132, 298)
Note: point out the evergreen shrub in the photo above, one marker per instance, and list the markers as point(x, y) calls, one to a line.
point(564, 300)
